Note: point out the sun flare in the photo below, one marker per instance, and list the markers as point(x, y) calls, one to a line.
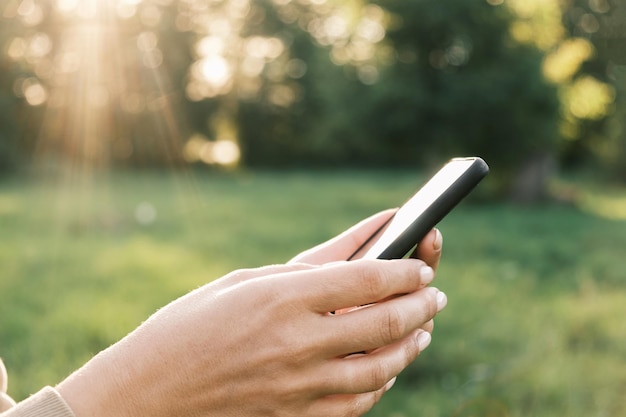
point(98, 72)
point(111, 78)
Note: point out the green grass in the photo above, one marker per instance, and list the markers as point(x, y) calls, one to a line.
point(537, 296)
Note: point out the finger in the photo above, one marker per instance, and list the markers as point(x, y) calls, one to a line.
point(6, 402)
point(348, 284)
point(342, 405)
point(384, 323)
point(366, 373)
point(429, 249)
point(344, 245)
point(429, 326)
point(241, 275)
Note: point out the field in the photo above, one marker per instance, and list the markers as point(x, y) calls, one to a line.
point(537, 295)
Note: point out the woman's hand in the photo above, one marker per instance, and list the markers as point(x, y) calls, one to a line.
point(343, 246)
point(262, 342)
point(6, 402)
point(346, 244)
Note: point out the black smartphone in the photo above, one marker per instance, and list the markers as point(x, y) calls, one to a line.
point(399, 236)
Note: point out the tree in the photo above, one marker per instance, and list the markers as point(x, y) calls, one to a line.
point(276, 83)
point(93, 80)
point(602, 22)
point(8, 149)
point(462, 85)
point(8, 106)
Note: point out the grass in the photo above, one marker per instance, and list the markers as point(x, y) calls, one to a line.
point(534, 324)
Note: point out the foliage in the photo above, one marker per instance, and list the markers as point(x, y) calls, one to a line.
point(461, 84)
point(7, 133)
point(8, 122)
point(91, 81)
point(533, 325)
point(441, 82)
point(579, 65)
point(601, 22)
point(286, 83)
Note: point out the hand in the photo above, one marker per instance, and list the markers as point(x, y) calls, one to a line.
point(6, 402)
point(262, 342)
point(344, 245)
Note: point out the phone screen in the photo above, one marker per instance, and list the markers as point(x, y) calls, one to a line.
point(420, 202)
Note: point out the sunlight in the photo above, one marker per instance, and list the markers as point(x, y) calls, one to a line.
point(101, 68)
point(538, 23)
point(354, 33)
point(96, 73)
point(34, 93)
point(216, 71)
point(66, 6)
point(264, 47)
point(606, 206)
point(588, 98)
point(88, 9)
point(226, 152)
point(223, 152)
point(561, 64)
point(30, 12)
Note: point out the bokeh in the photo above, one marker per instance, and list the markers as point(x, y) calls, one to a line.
point(149, 146)
point(319, 83)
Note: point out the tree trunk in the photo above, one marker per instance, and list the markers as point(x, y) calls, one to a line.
point(530, 185)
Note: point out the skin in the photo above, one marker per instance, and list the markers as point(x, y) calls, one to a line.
point(262, 342)
point(5, 401)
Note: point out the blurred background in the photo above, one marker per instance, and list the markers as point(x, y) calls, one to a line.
point(149, 146)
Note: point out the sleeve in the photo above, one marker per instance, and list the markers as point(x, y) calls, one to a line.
point(45, 403)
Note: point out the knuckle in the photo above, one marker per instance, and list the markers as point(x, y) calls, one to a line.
point(428, 301)
point(410, 352)
point(361, 404)
point(239, 274)
point(433, 310)
point(395, 324)
point(379, 375)
point(373, 279)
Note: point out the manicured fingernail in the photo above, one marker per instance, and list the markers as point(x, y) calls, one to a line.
point(426, 274)
point(423, 340)
point(390, 384)
point(442, 300)
point(438, 242)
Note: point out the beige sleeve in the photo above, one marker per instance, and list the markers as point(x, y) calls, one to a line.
point(45, 403)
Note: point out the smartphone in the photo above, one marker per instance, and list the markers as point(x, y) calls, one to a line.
point(399, 236)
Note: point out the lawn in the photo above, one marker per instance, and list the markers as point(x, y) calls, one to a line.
point(537, 296)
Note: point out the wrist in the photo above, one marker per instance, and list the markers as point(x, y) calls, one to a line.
point(97, 389)
point(47, 402)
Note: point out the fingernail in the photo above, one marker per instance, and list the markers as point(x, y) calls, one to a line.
point(442, 300)
point(438, 243)
point(390, 384)
point(426, 274)
point(423, 340)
